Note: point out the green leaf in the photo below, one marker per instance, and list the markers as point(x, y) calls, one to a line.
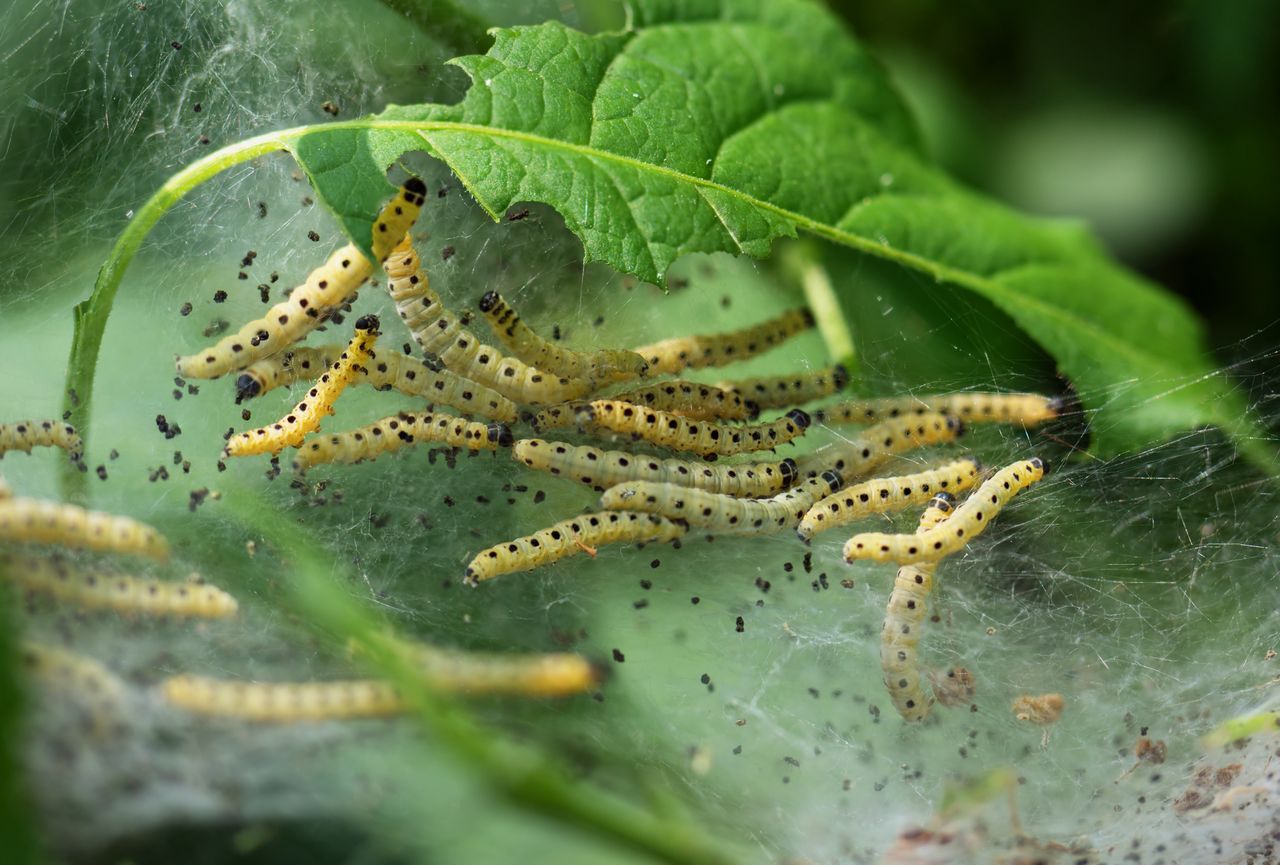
point(724, 126)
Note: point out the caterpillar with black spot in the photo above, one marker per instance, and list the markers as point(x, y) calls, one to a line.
point(441, 334)
point(967, 522)
point(392, 433)
point(568, 538)
point(671, 356)
point(600, 469)
point(882, 495)
point(24, 435)
point(36, 521)
point(705, 438)
point(385, 371)
point(95, 590)
point(686, 398)
point(780, 391)
point(903, 619)
point(722, 513)
point(306, 416)
point(72, 672)
point(1023, 409)
point(602, 367)
point(308, 306)
point(857, 456)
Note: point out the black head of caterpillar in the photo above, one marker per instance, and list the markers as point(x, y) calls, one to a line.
point(247, 387)
point(488, 301)
point(790, 471)
point(368, 322)
point(832, 477)
point(501, 433)
point(945, 502)
point(800, 418)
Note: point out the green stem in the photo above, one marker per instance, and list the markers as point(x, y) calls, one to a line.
point(802, 262)
point(462, 31)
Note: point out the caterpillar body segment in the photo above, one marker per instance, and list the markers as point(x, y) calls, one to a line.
point(903, 620)
point(692, 399)
point(72, 672)
point(441, 334)
point(96, 590)
point(283, 702)
point(309, 305)
point(52, 523)
point(780, 391)
point(568, 538)
point(722, 513)
point(1022, 409)
point(603, 367)
point(671, 356)
point(558, 674)
point(397, 431)
point(306, 416)
point(386, 370)
point(857, 456)
point(967, 521)
point(883, 495)
point(706, 438)
point(24, 435)
point(601, 469)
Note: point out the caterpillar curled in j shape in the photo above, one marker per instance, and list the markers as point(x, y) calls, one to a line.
point(780, 391)
point(602, 367)
point(309, 305)
point(904, 619)
point(128, 595)
point(857, 456)
point(442, 334)
point(405, 429)
point(600, 469)
point(671, 356)
point(720, 513)
point(967, 522)
point(306, 416)
point(35, 521)
point(883, 495)
point(1023, 409)
point(24, 435)
point(568, 538)
point(386, 370)
point(706, 438)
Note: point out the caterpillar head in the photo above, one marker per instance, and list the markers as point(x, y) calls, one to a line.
point(800, 418)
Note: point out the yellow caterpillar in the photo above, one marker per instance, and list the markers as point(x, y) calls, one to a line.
point(722, 513)
point(401, 430)
point(305, 418)
point(311, 303)
point(706, 438)
point(780, 391)
point(903, 619)
point(600, 469)
point(686, 398)
point(602, 367)
point(568, 538)
point(53, 523)
point(882, 495)
point(671, 356)
point(857, 456)
point(72, 672)
point(559, 674)
point(24, 435)
point(967, 522)
point(123, 594)
point(385, 371)
point(1025, 409)
point(440, 333)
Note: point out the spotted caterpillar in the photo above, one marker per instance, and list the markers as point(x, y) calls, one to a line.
point(123, 594)
point(671, 356)
point(685, 398)
point(1024, 409)
point(53, 523)
point(25, 434)
point(780, 391)
point(857, 456)
point(706, 438)
point(311, 303)
point(402, 430)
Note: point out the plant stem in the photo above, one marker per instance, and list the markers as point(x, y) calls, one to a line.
point(802, 263)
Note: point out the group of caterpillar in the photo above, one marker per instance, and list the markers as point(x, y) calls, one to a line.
point(117, 592)
point(678, 433)
point(685, 398)
point(24, 435)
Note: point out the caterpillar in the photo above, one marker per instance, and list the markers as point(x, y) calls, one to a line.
point(305, 418)
point(719, 512)
point(5, 492)
point(1024, 409)
point(882, 495)
point(386, 371)
point(392, 433)
point(671, 356)
point(558, 674)
point(600, 469)
point(24, 435)
point(310, 304)
point(118, 592)
point(72, 672)
point(706, 438)
point(903, 619)
point(567, 538)
point(968, 521)
point(441, 334)
point(780, 391)
point(42, 522)
point(686, 398)
point(601, 367)
point(857, 456)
